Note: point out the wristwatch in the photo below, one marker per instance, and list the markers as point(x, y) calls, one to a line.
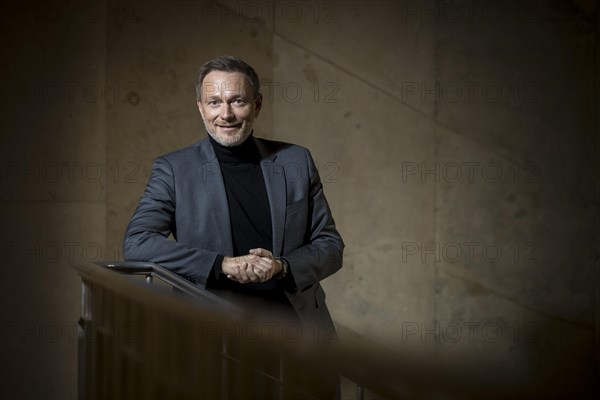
point(284, 268)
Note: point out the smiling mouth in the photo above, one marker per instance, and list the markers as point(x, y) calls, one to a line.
point(229, 126)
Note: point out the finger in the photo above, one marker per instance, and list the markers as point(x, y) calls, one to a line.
point(260, 276)
point(257, 262)
point(235, 276)
point(261, 252)
point(266, 264)
point(261, 272)
point(249, 259)
point(255, 273)
point(243, 273)
point(248, 274)
point(262, 263)
point(264, 267)
point(259, 268)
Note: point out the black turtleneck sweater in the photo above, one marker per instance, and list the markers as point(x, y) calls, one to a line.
point(249, 210)
point(247, 196)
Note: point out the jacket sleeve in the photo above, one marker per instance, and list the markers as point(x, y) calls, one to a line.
point(146, 238)
point(322, 251)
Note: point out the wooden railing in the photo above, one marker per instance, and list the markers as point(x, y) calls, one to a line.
point(141, 341)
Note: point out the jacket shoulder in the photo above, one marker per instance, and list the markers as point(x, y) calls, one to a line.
point(187, 153)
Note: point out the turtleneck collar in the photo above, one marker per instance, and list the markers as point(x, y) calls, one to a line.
point(247, 152)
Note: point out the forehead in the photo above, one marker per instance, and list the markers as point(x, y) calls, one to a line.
point(216, 82)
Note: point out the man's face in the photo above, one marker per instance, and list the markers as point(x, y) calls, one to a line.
point(228, 107)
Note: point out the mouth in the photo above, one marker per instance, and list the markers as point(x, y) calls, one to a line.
point(229, 127)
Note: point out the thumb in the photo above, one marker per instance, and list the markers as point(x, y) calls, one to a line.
point(261, 252)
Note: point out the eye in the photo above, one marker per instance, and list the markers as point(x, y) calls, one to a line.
point(238, 101)
point(212, 103)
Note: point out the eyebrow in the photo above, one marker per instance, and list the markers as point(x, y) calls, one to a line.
point(228, 97)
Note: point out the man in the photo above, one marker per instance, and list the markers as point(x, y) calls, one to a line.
point(248, 215)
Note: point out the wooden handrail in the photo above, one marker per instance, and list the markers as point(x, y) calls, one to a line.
point(157, 271)
point(170, 335)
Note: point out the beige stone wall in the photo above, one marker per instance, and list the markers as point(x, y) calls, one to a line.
point(457, 143)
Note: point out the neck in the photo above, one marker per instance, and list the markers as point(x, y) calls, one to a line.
point(244, 152)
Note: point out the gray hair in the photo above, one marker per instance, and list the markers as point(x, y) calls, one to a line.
point(228, 64)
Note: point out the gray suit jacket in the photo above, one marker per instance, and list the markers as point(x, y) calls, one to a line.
point(186, 196)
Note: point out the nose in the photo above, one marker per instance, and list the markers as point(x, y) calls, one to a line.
point(226, 113)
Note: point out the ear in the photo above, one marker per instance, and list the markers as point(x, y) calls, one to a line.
point(257, 105)
point(199, 104)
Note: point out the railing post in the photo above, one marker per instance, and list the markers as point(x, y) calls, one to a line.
point(224, 366)
point(360, 392)
point(82, 340)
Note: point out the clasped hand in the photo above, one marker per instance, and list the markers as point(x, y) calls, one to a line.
point(258, 266)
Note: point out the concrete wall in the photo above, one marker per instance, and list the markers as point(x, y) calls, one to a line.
point(457, 142)
point(53, 194)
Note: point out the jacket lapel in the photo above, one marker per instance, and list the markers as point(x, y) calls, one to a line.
point(216, 197)
point(274, 175)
